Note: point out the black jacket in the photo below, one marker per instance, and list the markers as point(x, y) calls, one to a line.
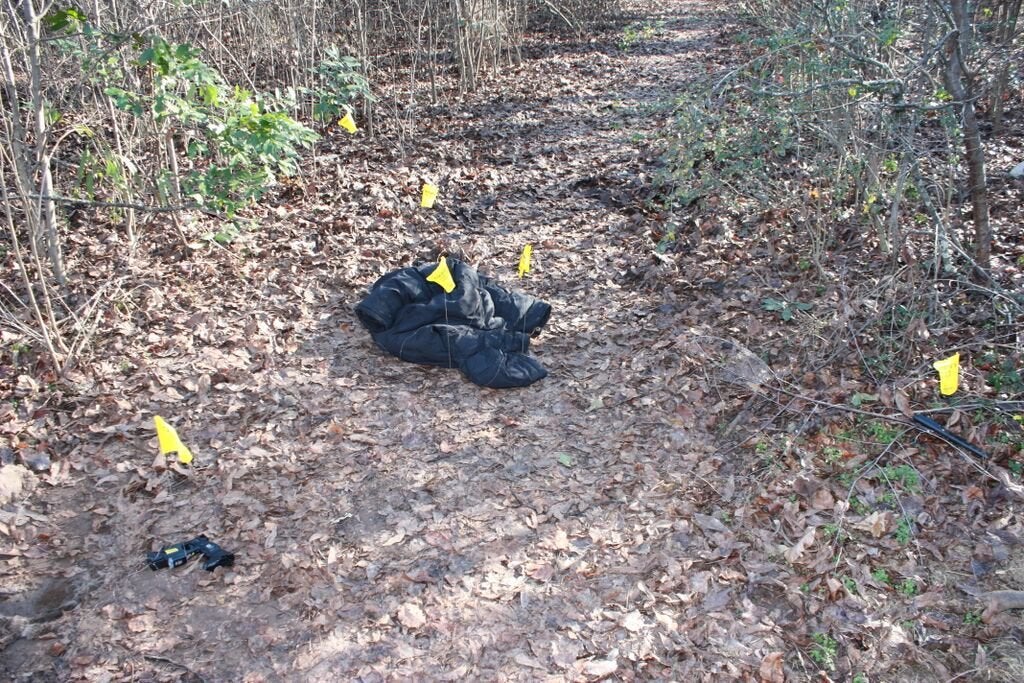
point(480, 328)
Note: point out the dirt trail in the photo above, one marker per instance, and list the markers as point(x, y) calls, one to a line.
point(395, 522)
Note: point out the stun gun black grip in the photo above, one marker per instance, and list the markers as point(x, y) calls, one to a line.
point(215, 556)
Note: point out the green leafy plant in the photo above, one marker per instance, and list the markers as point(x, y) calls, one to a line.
point(785, 309)
point(973, 618)
point(636, 32)
point(881, 576)
point(850, 585)
point(904, 531)
point(339, 83)
point(1005, 378)
point(908, 587)
point(860, 398)
point(64, 20)
point(903, 475)
point(858, 506)
point(832, 455)
point(768, 453)
point(237, 142)
point(824, 650)
point(227, 234)
point(882, 433)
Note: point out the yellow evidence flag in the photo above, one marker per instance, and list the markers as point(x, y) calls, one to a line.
point(348, 123)
point(429, 195)
point(442, 276)
point(949, 374)
point(524, 260)
point(170, 442)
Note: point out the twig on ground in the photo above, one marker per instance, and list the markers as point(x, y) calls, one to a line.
point(158, 658)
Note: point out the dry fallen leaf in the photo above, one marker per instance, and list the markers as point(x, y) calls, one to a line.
point(271, 537)
point(822, 500)
point(411, 616)
point(394, 539)
point(972, 493)
point(601, 667)
point(141, 623)
point(878, 523)
point(542, 571)
point(633, 621)
point(159, 463)
point(523, 659)
point(13, 480)
point(557, 541)
point(794, 553)
point(903, 403)
point(771, 668)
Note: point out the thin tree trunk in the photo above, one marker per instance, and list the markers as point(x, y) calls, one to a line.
point(961, 87)
point(45, 331)
point(46, 210)
point(1009, 13)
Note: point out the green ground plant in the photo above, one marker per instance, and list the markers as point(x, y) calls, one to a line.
point(1003, 374)
point(637, 32)
point(904, 531)
point(905, 476)
point(882, 433)
point(785, 309)
point(832, 455)
point(824, 650)
point(858, 506)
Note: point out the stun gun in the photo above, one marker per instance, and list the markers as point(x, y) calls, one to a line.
point(171, 556)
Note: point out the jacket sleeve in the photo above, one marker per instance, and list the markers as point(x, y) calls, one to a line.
point(521, 312)
point(499, 369)
point(389, 294)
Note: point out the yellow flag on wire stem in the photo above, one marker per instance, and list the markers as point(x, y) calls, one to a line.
point(949, 374)
point(524, 260)
point(170, 442)
point(442, 276)
point(429, 195)
point(348, 123)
